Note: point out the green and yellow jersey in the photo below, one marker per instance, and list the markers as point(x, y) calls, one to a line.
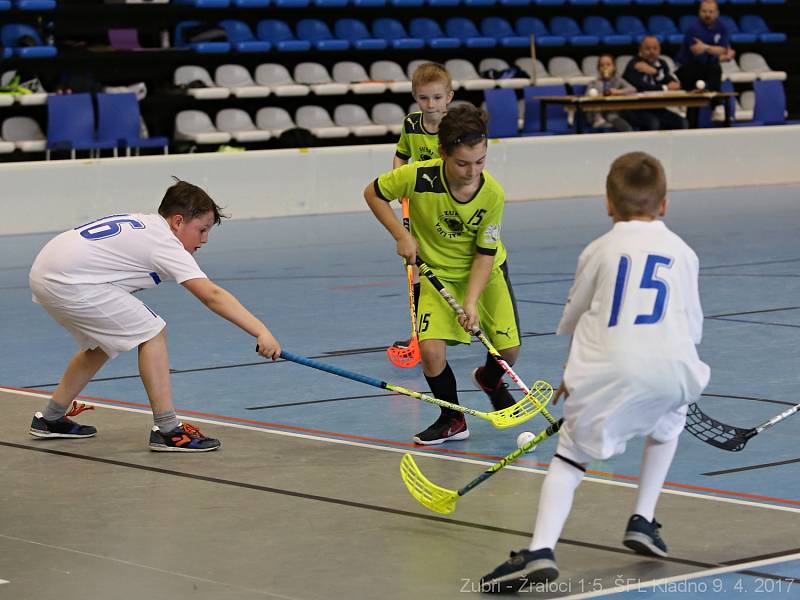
point(415, 142)
point(448, 232)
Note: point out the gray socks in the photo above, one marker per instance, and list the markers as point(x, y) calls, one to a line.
point(166, 421)
point(54, 411)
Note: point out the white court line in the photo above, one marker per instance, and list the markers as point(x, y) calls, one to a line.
point(664, 583)
point(320, 438)
point(148, 567)
point(2, 581)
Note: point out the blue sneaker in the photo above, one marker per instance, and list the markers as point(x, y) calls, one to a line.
point(642, 537)
point(60, 428)
point(184, 438)
point(522, 569)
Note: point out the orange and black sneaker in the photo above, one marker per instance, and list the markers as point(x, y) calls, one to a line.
point(184, 438)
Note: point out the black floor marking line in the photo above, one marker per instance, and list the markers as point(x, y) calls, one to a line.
point(363, 506)
point(340, 398)
point(752, 264)
point(752, 467)
point(752, 312)
point(754, 322)
point(541, 302)
point(767, 400)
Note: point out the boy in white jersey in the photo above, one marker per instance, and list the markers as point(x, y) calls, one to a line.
point(84, 278)
point(635, 317)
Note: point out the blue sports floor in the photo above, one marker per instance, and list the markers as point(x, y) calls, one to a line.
point(331, 287)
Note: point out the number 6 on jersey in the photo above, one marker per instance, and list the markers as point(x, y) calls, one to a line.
point(650, 280)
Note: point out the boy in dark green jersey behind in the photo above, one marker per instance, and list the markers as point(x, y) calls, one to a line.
point(432, 88)
point(456, 213)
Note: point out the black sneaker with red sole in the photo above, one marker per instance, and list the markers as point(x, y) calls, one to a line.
point(447, 428)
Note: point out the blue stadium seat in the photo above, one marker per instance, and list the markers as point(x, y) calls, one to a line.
point(406, 3)
point(742, 2)
point(501, 30)
point(737, 36)
point(480, 2)
point(567, 27)
point(292, 3)
point(395, 34)
point(556, 121)
point(515, 2)
point(755, 24)
point(681, 2)
point(528, 26)
point(241, 37)
point(444, 3)
point(368, 3)
point(503, 113)
point(70, 124)
point(429, 30)
point(633, 27)
point(119, 119)
point(180, 40)
point(319, 35)
point(600, 27)
point(11, 34)
point(5, 4)
point(356, 32)
point(770, 108)
point(663, 26)
point(280, 36)
point(250, 3)
point(648, 2)
point(616, 2)
point(584, 2)
point(36, 4)
point(204, 3)
point(465, 30)
point(330, 3)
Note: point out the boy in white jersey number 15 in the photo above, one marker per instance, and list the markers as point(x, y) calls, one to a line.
point(456, 212)
point(84, 278)
point(635, 317)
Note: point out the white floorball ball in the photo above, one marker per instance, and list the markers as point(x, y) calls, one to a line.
point(593, 93)
point(523, 438)
point(700, 84)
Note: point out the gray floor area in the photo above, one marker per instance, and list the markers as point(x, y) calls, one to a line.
point(279, 516)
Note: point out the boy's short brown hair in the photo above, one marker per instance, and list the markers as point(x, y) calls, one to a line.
point(430, 73)
point(636, 185)
point(463, 124)
point(183, 198)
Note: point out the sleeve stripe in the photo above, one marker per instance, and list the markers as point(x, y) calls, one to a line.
point(486, 251)
point(402, 156)
point(379, 192)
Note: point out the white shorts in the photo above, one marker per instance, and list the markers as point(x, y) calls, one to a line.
point(99, 315)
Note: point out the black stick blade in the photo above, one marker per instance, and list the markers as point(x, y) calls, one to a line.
point(711, 431)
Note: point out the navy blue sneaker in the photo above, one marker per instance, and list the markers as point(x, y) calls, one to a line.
point(642, 537)
point(184, 438)
point(499, 395)
point(63, 427)
point(522, 569)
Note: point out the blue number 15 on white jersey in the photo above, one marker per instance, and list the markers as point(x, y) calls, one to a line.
point(650, 280)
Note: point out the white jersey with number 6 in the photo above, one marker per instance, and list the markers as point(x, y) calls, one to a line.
point(635, 316)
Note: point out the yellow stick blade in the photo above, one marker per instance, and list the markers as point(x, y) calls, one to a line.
point(531, 405)
point(431, 496)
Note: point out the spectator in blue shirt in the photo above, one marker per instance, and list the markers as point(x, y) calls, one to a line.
point(705, 45)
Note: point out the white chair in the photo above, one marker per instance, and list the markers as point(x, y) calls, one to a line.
point(6, 100)
point(274, 119)
point(240, 126)
point(317, 120)
point(315, 76)
point(542, 76)
point(356, 119)
point(589, 66)
point(392, 74)
point(196, 126)
point(188, 74)
point(747, 100)
point(567, 69)
point(389, 114)
point(500, 65)
point(277, 78)
point(237, 79)
point(6, 147)
point(414, 65)
point(753, 62)
point(354, 75)
point(25, 133)
point(462, 71)
point(414, 107)
point(621, 62)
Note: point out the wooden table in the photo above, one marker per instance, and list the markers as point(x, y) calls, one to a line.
point(640, 101)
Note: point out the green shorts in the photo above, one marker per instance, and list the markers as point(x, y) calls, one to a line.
point(497, 312)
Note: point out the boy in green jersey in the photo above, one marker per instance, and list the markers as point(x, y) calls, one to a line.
point(432, 88)
point(456, 213)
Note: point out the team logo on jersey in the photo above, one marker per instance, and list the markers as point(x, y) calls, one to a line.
point(425, 153)
point(449, 224)
point(429, 179)
point(506, 333)
point(491, 234)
